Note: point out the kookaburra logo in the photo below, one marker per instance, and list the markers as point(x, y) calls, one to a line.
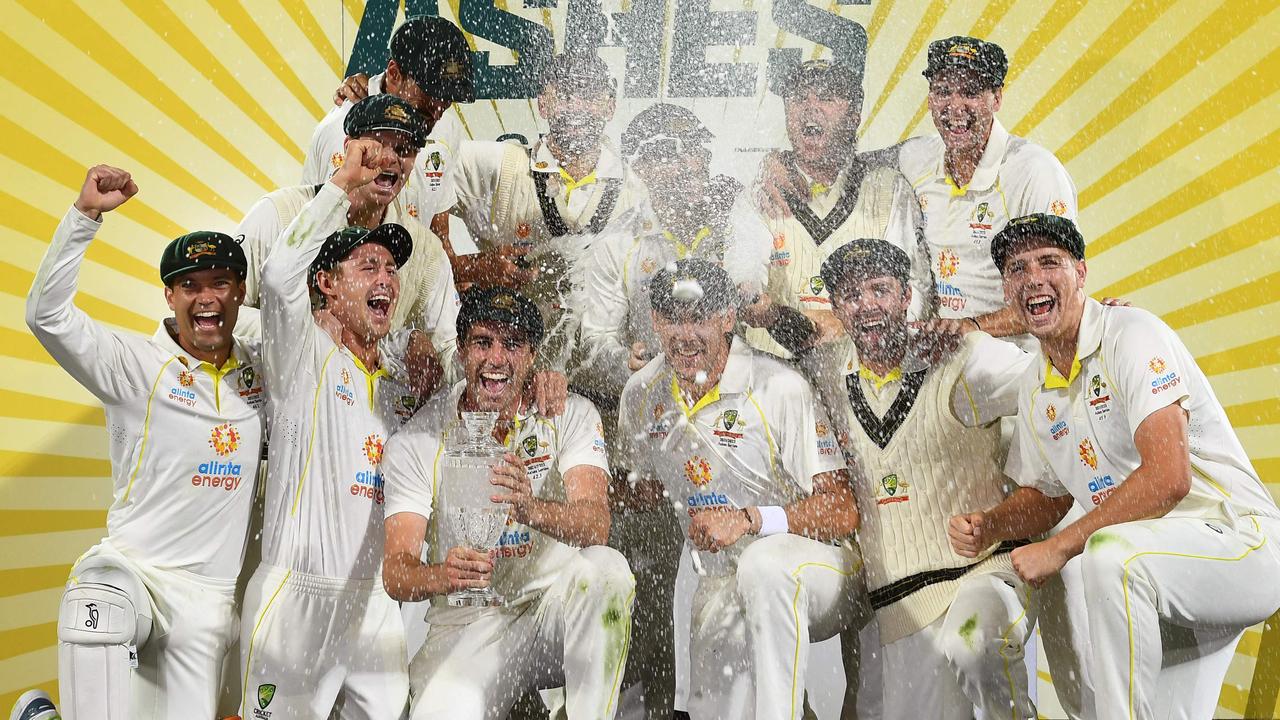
point(92, 622)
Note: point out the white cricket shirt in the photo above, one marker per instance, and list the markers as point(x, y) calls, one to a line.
point(185, 437)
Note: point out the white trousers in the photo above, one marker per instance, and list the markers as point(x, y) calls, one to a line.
point(311, 646)
point(1213, 578)
point(1063, 618)
point(194, 623)
point(750, 634)
point(971, 656)
point(576, 635)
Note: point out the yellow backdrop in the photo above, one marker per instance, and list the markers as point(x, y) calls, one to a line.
point(1164, 112)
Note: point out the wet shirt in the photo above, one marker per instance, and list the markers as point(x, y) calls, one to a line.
point(757, 438)
point(1076, 434)
point(525, 560)
point(330, 419)
point(184, 437)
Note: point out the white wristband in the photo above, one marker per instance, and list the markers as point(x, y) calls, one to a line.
point(773, 520)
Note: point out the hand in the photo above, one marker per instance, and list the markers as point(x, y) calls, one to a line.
point(329, 324)
point(550, 389)
point(639, 356)
point(968, 533)
point(938, 337)
point(760, 313)
point(423, 364)
point(510, 474)
point(496, 267)
point(1037, 562)
point(715, 529)
point(774, 180)
point(466, 568)
point(364, 160)
point(353, 88)
point(1116, 302)
point(105, 189)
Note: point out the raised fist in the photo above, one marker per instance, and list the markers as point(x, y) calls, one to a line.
point(365, 160)
point(105, 189)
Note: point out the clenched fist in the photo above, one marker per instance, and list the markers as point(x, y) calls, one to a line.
point(968, 533)
point(364, 160)
point(105, 189)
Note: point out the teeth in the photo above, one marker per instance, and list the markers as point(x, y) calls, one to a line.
point(494, 376)
point(380, 298)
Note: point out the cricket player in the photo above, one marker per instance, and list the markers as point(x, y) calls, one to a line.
point(430, 68)
point(844, 197)
point(927, 440)
point(1179, 530)
point(566, 618)
point(734, 438)
point(149, 612)
point(428, 300)
point(319, 633)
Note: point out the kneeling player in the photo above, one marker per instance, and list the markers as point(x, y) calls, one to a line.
point(927, 439)
point(567, 616)
point(735, 436)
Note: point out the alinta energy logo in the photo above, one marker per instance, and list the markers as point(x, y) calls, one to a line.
point(948, 264)
point(216, 473)
point(224, 439)
point(373, 449)
point(697, 471)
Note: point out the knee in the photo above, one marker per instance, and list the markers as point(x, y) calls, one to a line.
point(765, 567)
point(605, 568)
point(1106, 558)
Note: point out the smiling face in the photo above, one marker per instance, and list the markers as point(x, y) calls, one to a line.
point(963, 106)
point(497, 360)
point(576, 120)
point(361, 291)
point(873, 311)
point(677, 176)
point(693, 345)
point(384, 188)
point(205, 305)
point(400, 84)
point(820, 125)
point(1045, 285)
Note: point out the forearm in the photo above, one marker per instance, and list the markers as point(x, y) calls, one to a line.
point(50, 303)
point(284, 274)
point(822, 516)
point(408, 579)
point(1002, 323)
point(1141, 496)
point(1026, 513)
point(581, 523)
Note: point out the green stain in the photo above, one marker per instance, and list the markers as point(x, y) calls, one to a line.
point(583, 586)
point(616, 620)
point(1102, 538)
point(967, 630)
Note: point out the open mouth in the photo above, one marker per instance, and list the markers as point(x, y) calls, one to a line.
point(1040, 305)
point(386, 180)
point(380, 306)
point(957, 128)
point(871, 325)
point(207, 320)
point(494, 383)
point(812, 130)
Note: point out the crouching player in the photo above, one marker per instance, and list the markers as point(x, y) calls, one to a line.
point(149, 612)
point(734, 437)
point(567, 617)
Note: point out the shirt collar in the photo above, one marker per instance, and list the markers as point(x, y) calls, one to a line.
point(734, 379)
point(169, 344)
point(608, 166)
point(984, 176)
point(1088, 340)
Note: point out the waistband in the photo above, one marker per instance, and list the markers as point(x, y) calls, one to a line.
point(319, 584)
point(899, 589)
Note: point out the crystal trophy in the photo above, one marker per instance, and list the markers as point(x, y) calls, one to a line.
point(477, 523)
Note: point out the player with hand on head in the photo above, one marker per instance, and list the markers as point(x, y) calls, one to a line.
point(1119, 419)
point(734, 438)
point(149, 612)
point(567, 611)
point(319, 632)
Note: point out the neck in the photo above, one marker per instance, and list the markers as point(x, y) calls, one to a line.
point(364, 350)
point(1061, 349)
point(695, 390)
point(678, 220)
point(578, 166)
point(884, 364)
point(826, 169)
point(365, 215)
point(214, 357)
point(962, 164)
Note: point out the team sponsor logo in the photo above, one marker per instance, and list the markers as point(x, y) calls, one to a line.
point(1051, 412)
point(346, 377)
point(523, 229)
point(948, 264)
point(530, 445)
point(780, 256)
point(1088, 455)
point(266, 693)
point(344, 391)
point(373, 449)
point(224, 439)
point(1058, 429)
point(515, 542)
point(1164, 380)
point(336, 160)
point(1101, 486)
point(412, 210)
point(186, 378)
point(92, 621)
point(697, 471)
point(1099, 397)
point(648, 265)
point(826, 443)
point(895, 490)
point(1057, 207)
point(180, 393)
point(821, 429)
point(597, 443)
point(924, 202)
point(368, 483)
point(216, 473)
point(660, 426)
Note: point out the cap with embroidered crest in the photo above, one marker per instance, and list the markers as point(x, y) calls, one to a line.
point(202, 250)
point(433, 52)
point(1058, 230)
point(987, 59)
point(385, 112)
point(824, 77)
point(494, 303)
point(339, 245)
point(862, 259)
point(692, 288)
point(667, 126)
point(579, 73)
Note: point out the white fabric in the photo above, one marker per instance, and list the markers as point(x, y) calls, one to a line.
point(1214, 577)
point(615, 298)
point(575, 634)
point(526, 562)
point(793, 591)
point(185, 437)
point(330, 419)
point(432, 186)
point(1079, 438)
point(193, 623)
point(428, 299)
point(760, 443)
point(322, 644)
point(1014, 178)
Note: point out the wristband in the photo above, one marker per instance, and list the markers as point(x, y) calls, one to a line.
point(773, 520)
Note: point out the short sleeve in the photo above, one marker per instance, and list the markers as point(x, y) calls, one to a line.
point(1047, 188)
point(407, 475)
point(1149, 363)
point(581, 436)
point(806, 440)
point(746, 257)
point(1027, 466)
point(987, 388)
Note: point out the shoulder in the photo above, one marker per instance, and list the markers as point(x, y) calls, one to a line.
point(643, 379)
point(919, 156)
point(576, 408)
point(884, 158)
point(1029, 158)
point(772, 376)
point(1131, 328)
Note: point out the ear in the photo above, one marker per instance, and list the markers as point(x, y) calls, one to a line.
point(391, 79)
point(240, 292)
point(729, 319)
point(907, 293)
point(1082, 271)
point(544, 103)
point(999, 95)
point(168, 296)
point(325, 284)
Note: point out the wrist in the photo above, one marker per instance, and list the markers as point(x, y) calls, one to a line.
point(753, 519)
point(89, 212)
point(976, 325)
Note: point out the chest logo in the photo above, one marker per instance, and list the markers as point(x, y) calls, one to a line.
point(697, 471)
point(730, 417)
point(224, 439)
point(948, 264)
point(523, 229)
point(336, 160)
point(435, 160)
point(185, 378)
point(816, 284)
point(1057, 207)
point(983, 212)
point(648, 265)
point(530, 445)
point(1087, 454)
point(1156, 365)
point(1051, 412)
point(247, 376)
point(373, 449)
point(890, 484)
